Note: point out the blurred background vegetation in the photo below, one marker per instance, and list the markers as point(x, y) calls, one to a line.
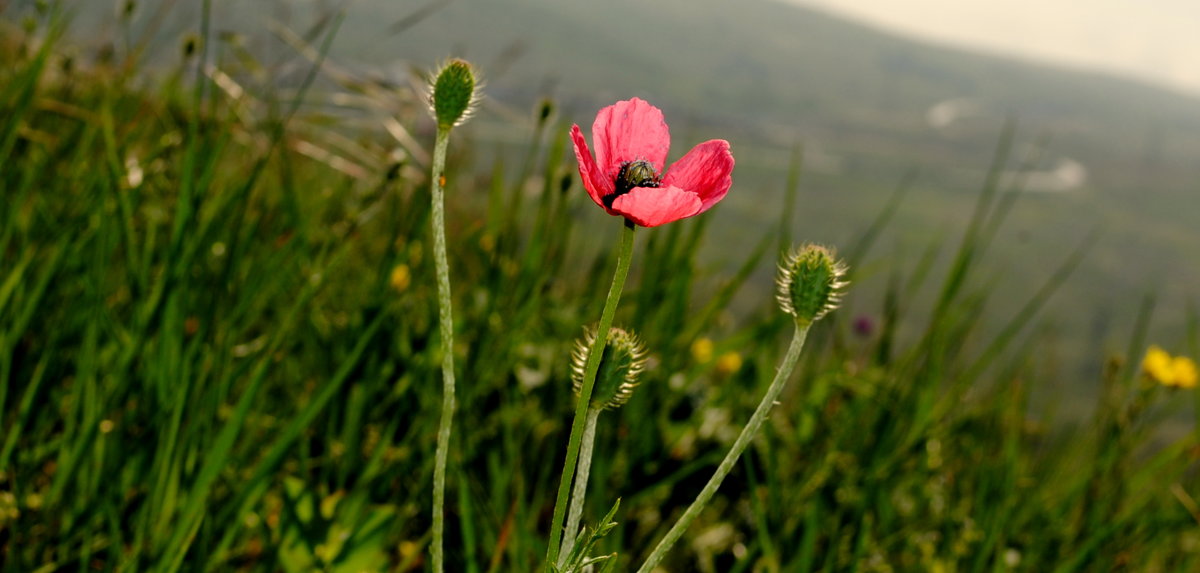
point(870, 110)
point(217, 344)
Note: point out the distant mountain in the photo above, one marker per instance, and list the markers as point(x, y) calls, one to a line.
point(867, 105)
point(774, 74)
point(779, 72)
point(757, 62)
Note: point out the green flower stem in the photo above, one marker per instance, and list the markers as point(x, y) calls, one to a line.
point(743, 440)
point(446, 322)
point(579, 492)
point(624, 256)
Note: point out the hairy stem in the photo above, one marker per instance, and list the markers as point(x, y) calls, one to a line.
point(743, 440)
point(446, 323)
point(624, 256)
point(579, 492)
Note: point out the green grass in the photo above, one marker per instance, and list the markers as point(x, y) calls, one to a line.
point(209, 362)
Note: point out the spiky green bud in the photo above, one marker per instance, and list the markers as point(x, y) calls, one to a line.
point(454, 93)
point(811, 283)
point(623, 360)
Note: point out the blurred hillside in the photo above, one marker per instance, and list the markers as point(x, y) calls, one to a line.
point(868, 108)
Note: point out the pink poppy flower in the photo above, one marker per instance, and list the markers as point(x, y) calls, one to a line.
point(626, 177)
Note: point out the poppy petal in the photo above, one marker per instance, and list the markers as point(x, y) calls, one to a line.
point(594, 181)
point(628, 131)
point(705, 170)
point(654, 206)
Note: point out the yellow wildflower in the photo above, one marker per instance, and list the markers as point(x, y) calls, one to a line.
point(1186, 375)
point(1177, 371)
point(1157, 365)
point(400, 278)
point(702, 350)
point(729, 363)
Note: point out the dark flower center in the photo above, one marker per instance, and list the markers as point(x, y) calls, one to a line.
point(638, 173)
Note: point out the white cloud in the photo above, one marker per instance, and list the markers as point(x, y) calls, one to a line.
point(1153, 40)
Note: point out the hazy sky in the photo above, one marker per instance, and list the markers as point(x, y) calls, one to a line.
point(1155, 40)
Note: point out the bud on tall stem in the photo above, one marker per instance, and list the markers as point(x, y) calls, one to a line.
point(810, 283)
point(622, 359)
point(452, 96)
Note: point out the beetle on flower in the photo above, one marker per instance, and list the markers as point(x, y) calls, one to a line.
point(626, 176)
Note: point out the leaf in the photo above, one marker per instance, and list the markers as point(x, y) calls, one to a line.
point(578, 558)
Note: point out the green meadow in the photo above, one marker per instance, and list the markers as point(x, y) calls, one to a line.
point(219, 344)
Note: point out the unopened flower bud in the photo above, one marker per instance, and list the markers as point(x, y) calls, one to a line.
point(811, 283)
point(623, 359)
point(545, 110)
point(454, 93)
point(191, 44)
